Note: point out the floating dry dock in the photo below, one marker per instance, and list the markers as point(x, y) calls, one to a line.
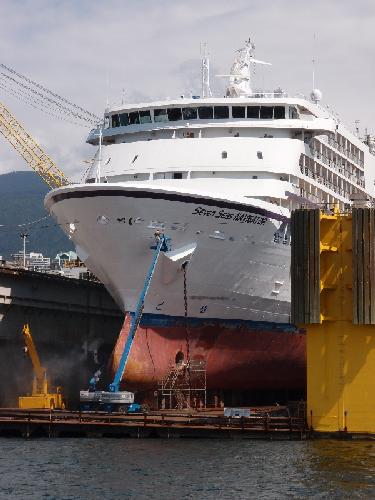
point(29, 424)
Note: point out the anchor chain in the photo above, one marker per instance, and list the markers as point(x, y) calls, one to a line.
point(187, 333)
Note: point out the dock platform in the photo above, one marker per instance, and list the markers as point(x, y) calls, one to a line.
point(164, 424)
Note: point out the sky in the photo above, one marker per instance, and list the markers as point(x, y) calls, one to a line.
point(93, 52)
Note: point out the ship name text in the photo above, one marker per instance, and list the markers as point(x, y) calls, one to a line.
point(242, 217)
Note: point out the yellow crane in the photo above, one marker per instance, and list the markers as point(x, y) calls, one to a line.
point(33, 154)
point(40, 398)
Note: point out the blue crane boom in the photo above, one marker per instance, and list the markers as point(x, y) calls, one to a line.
point(161, 246)
point(114, 398)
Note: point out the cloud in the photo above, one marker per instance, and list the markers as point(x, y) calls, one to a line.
point(89, 50)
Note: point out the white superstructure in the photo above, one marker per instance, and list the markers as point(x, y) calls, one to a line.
point(219, 176)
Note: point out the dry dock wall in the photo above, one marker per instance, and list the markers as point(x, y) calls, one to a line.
point(74, 323)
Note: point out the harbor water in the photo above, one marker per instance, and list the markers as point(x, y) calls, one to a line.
point(129, 468)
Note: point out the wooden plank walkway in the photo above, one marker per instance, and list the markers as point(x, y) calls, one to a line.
point(38, 423)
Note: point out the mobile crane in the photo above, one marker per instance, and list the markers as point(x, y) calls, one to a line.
point(40, 398)
point(114, 399)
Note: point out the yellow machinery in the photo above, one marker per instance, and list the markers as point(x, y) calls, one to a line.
point(22, 142)
point(333, 298)
point(40, 397)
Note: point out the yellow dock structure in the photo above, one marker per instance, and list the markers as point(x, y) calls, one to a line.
point(333, 298)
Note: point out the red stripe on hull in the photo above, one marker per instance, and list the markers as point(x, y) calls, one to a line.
point(238, 358)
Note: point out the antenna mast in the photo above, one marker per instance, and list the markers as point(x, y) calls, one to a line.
point(313, 62)
point(206, 90)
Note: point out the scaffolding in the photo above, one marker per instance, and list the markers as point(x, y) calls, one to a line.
point(184, 385)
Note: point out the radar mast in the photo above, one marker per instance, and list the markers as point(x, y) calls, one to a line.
point(206, 90)
point(240, 73)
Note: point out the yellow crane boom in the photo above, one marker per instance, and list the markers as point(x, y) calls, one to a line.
point(40, 379)
point(33, 154)
point(40, 396)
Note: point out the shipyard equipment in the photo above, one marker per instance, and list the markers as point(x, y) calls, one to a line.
point(40, 397)
point(33, 154)
point(114, 398)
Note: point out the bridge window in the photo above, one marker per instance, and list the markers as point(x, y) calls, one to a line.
point(115, 121)
point(124, 119)
point(189, 113)
point(293, 113)
point(145, 116)
point(205, 112)
point(177, 175)
point(174, 114)
point(134, 118)
point(266, 112)
point(160, 115)
point(221, 112)
point(238, 111)
point(279, 112)
point(253, 111)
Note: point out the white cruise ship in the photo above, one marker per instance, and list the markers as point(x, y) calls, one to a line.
point(219, 177)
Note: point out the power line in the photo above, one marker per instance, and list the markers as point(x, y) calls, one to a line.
point(34, 222)
point(27, 223)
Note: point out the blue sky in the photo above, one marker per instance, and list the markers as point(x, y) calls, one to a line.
point(88, 50)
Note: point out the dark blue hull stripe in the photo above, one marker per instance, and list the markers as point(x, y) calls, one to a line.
point(158, 320)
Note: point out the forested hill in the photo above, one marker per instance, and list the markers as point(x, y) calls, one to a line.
point(21, 201)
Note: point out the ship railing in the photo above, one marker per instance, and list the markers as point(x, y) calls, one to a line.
point(340, 148)
point(276, 94)
point(331, 164)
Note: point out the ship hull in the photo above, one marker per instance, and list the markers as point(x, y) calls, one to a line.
point(239, 355)
point(238, 253)
point(226, 269)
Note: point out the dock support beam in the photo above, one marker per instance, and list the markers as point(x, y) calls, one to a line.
point(333, 298)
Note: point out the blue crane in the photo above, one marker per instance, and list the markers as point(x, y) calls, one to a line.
point(114, 398)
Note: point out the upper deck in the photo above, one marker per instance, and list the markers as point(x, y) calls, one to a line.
point(258, 111)
point(270, 146)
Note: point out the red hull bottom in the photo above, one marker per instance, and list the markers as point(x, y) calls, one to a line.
point(238, 357)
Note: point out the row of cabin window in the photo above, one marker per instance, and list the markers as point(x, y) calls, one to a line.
point(203, 113)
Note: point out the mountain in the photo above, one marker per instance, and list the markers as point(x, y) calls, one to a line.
point(21, 202)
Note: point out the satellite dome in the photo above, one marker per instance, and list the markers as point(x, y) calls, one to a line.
point(316, 95)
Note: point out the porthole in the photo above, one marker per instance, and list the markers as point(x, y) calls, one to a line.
point(102, 219)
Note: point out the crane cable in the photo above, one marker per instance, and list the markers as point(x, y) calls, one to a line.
point(19, 95)
point(61, 107)
point(89, 116)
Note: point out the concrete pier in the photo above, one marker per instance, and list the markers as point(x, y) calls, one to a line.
point(74, 323)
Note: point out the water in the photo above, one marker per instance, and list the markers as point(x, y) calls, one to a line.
point(165, 469)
